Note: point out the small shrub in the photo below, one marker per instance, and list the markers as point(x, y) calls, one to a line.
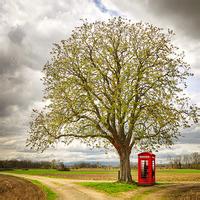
point(62, 167)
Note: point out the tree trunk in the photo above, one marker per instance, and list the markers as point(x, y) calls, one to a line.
point(125, 167)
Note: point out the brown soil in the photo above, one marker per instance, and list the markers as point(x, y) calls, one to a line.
point(184, 192)
point(14, 188)
point(174, 192)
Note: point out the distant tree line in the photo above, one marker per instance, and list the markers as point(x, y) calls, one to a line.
point(87, 165)
point(27, 164)
point(190, 161)
point(23, 164)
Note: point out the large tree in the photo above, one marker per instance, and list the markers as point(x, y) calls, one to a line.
point(117, 82)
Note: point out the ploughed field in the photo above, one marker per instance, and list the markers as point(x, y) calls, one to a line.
point(162, 175)
point(14, 188)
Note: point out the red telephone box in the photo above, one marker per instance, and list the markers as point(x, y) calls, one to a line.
point(146, 168)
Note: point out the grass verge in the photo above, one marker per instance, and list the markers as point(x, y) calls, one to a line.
point(110, 188)
point(48, 192)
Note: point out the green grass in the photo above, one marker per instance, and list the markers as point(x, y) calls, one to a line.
point(48, 192)
point(56, 172)
point(110, 188)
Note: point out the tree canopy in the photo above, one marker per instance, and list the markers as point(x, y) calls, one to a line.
point(117, 81)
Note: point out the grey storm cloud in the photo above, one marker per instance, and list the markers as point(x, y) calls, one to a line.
point(9, 63)
point(183, 13)
point(16, 87)
point(16, 35)
point(190, 136)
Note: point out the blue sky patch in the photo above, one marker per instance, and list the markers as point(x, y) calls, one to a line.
point(104, 9)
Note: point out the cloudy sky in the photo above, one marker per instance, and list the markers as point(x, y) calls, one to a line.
point(27, 31)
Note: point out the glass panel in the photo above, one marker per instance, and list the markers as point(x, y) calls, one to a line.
point(144, 170)
point(153, 168)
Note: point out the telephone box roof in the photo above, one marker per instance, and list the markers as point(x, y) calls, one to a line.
point(146, 153)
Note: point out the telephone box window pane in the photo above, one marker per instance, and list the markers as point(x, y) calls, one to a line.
point(144, 170)
point(153, 168)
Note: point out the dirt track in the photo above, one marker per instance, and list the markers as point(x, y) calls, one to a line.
point(14, 188)
point(67, 189)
